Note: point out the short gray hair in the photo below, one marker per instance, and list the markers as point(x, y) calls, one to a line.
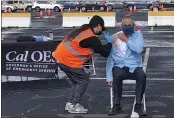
point(128, 17)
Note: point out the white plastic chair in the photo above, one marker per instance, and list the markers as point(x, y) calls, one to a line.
point(133, 82)
point(129, 82)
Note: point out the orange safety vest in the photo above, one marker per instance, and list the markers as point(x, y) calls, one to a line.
point(69, 53)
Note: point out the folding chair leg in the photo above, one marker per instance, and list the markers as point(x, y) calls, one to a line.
point(144, 102)
point(93, 66)
point(111, 97)
point(134, 114)
point(57, 73)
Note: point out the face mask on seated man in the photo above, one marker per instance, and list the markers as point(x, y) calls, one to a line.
point(128, 29)
point(128, 26)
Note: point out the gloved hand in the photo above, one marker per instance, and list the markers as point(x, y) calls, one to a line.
point(108, 37)
point(38, 38)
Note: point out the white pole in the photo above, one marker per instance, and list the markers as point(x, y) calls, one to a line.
point(152, 28)
point(111, 97)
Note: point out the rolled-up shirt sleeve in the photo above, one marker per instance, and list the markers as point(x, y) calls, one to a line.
point(136, 42)
point(109, 67)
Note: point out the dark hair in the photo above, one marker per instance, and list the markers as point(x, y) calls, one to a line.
point(74, 33)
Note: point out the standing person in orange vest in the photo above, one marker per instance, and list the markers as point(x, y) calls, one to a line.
point(74, 51)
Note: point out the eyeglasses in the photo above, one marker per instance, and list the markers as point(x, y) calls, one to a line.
point(127, 25)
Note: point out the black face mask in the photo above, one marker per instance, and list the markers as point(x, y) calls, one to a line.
point(128, 30)
point(99, 33)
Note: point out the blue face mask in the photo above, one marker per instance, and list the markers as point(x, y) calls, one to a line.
point(128, 30)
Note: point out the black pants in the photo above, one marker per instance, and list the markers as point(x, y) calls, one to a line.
point(120, 74)
point(79, 80)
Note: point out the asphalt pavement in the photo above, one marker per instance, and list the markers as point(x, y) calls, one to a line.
point(47, 98)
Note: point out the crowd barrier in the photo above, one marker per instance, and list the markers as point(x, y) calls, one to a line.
point(161, 18)
point(78, 19)
point(16, 19)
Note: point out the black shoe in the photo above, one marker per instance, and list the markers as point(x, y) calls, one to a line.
point(144, 50)
point(140, 110)
point(116, 109)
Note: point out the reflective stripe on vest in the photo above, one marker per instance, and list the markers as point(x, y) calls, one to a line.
point(81, 34)
point(67, 45)
point(68, 42)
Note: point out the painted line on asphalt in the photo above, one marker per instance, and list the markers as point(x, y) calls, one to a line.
point(146, 58)
point(159, 79)
point(11, 32)
point(91, 115)
point(159, 31)
point(159, 96)
point(159, 46)
point(159, 116)
point(162, 29)
point(148, 79)
point(102, 116)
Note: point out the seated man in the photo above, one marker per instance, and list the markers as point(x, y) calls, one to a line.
point(125, 62)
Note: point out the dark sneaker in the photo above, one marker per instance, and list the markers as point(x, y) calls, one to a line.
point(140, 110)
point(116, 109)
point(144, 50)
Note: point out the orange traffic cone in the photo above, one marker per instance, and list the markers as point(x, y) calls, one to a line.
point(138, 28)
point(49, 13)
point(24, 10)
point(45, 10)
point(130, 9)
point(41, 14)
point(9, 10)
point(92, 9)
point(61, 11)
point(69, 9)
point(107, 9)
point(135, 8)
point(5, 11)
point(162, 7)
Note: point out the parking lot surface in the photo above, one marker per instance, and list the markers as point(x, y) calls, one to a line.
point(47, 98)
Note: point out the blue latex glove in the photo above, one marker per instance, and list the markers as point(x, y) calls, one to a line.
point(38, 38)
point(108, 37)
